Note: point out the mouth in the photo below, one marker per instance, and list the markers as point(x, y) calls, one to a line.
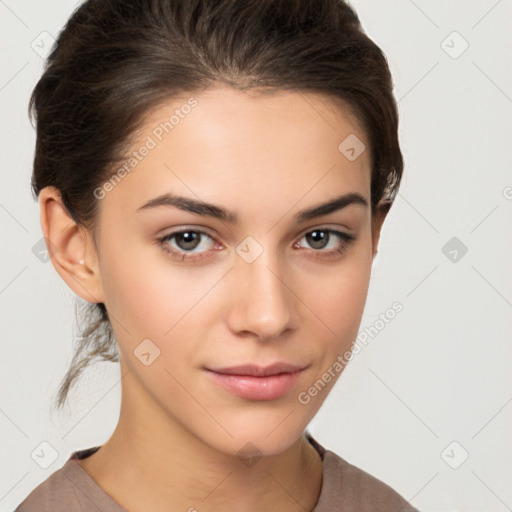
point(258, 383)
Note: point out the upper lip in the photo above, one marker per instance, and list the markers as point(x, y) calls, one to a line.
point(259, 371)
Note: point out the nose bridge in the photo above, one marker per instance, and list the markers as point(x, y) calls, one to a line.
point(263, 304)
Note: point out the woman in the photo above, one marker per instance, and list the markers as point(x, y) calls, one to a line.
point(213, 177)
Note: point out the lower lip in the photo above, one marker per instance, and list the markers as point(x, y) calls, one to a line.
point(257, 388)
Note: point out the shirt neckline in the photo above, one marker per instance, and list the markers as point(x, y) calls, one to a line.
point(91, 490)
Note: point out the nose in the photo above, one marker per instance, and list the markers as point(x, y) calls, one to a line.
point(262, 302)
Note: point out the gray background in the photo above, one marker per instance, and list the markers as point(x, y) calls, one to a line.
point(433, 386)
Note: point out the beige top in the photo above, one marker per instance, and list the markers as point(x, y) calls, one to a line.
point(345, 488)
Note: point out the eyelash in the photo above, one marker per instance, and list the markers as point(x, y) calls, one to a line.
point(328, 255)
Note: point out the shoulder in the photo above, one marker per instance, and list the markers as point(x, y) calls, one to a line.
point(347, 487)
point(365, 491)
point(51, 495)
point(64, 490)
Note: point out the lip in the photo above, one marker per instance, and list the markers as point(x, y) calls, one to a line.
point(259, 371)
point(258, 383)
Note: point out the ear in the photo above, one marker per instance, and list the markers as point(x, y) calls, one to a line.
point(70, 246)
point(381, 211)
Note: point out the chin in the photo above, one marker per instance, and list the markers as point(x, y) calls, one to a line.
point(264, 440)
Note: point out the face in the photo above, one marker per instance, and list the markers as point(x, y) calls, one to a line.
point(190, 289)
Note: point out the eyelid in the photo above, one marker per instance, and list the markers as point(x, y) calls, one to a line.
point(168, 233)
point(328, 227)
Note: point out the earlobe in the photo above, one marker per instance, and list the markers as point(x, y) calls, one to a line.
point(70, 246)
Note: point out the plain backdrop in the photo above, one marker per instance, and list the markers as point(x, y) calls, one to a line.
point(426, 406)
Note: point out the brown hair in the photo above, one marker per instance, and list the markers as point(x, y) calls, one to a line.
point(115, 60)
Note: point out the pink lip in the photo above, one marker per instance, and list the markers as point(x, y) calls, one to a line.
point(258, 383)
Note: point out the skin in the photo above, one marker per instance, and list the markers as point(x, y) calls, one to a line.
point(264, 157)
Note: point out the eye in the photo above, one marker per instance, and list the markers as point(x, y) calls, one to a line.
point(187, 241)
point(321, 238)
point(195, 245)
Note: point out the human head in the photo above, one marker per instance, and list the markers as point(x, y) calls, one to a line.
point(116, 62)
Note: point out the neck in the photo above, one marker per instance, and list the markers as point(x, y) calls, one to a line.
point(157, 465)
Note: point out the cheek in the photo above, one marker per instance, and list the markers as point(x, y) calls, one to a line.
point(150, 297)
point(139, 295)
point(151, 301)
point(338, 295)
point(346, 297)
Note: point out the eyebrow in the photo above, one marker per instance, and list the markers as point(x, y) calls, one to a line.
point(207, 209)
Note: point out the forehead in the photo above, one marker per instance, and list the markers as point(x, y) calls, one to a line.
point(223, 105)
point(224, 144)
